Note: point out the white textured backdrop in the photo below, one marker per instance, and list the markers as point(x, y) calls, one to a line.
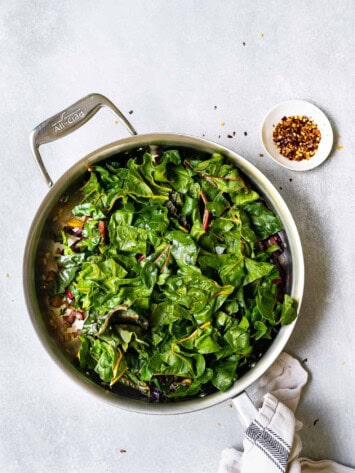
point(172, 63)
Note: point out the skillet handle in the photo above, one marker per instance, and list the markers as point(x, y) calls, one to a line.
point(67, 121)
point(246, 410)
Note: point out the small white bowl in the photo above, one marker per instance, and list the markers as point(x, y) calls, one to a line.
point(302, 108)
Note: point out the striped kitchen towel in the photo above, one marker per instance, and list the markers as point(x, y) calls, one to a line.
point(270, 436)
point(271, 443)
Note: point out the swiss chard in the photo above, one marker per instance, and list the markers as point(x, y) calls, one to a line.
point(168, 264)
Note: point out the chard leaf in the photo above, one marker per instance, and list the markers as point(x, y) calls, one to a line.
point(88, 210)
point(266, 300)
point(289, 310)
point(256, 270)
point(167, 313)
point(183, 248)
point(179, 291)
point(68, 268)
point(264, 222)
point(225, 373)
point(233, 273)
point(161, 169)
point(188, 387)
point(129, 239)
point(244, 197)
point(239, 340)
point(207, 343)
point(181, 180)
point(261, 330)
point(153, 218)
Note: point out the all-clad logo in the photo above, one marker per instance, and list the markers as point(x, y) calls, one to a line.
point(68, 119)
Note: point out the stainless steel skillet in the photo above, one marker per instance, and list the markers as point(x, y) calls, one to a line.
point(66, 122)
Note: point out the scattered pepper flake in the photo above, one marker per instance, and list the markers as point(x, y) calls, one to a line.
point(222, 123)
point(219, 136)
point(339, 147)
point(244, 44)
point(280, 188)
point(297, 137)
point(305, 360)
point(261, 155)
point(245, 133)
point(234, 133)
point(215, 107)
point(315, 422)
point(290, 179)
point(122, 450)
point(229, 136)
point(130, 112)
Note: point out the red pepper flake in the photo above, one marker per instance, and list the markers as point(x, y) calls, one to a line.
point(277, 281)
point(187, 164)
point(69, 294)
point(261, 155)
point(297, 137)
point(140, 258)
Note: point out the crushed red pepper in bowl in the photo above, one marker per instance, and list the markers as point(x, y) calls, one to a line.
point(297, 137)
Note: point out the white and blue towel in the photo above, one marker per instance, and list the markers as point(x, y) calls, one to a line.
point(271, 444)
